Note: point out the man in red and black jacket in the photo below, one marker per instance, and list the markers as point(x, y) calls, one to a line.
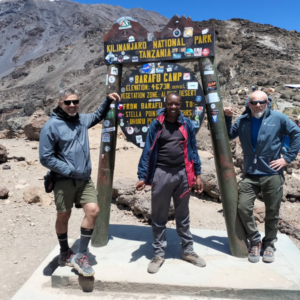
point(171, 165)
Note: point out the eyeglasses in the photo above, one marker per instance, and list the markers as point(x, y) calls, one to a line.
point(260, 102)
point(68, 102)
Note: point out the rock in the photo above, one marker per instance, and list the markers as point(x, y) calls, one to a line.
point(262, 82)
point(3, 154)
point(4, 193)
point(259, 214)
point(51, 68)
point(16, 125)
point(31, 195)
point(203, 139)
point(6, 167)
point(296, 97)
point(242, 103)
point(291, 111)
point(35, 124)
point(271, 82)
point(286, 95)
point(8, 134)
point(233, 92)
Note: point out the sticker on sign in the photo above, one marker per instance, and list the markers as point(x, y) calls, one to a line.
point(192, 85)
point(212, 97)
point(109, 129)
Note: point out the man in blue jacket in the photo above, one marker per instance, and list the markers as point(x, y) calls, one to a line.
point(64, 149)
point(171, 164)
point(261, 131)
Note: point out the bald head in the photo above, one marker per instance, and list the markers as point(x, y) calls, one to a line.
point(258, 95)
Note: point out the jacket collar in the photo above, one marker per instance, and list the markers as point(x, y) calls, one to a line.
point(161, 113)
point(59, 112)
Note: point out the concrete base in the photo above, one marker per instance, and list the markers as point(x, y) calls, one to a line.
point(121, 266)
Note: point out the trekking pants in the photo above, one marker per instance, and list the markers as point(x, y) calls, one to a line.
point(167, 183)
point(271, 188)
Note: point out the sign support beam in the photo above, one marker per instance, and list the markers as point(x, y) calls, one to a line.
point(223, 158)
point(107, 160)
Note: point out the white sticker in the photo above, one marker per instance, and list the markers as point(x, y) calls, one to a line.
point(106, 80)
point(186, 76)
point(111, 79)
point(131, 39)
point(213, 106)
point(142, 144)
point(112, 105)
point(139, 139)
point(107, 148)
point(123, 52)
point(114, 71)
point(122, 89)
point(144, 128)
point(130, 130)
point(109, 129)
point(209, 72)
point(212, 97)
point(106, 123)
point(105, 137)
point(205, 31)
point(169, 69)
point(192, 85)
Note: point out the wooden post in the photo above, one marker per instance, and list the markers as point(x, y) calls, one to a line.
point(223, 158)
point(107, 159)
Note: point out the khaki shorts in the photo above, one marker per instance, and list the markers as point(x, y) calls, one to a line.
point(69, 192)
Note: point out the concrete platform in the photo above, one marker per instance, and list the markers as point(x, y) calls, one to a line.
point(121, 266)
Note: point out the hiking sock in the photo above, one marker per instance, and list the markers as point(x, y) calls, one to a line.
point(85, 237)
point(63, 241)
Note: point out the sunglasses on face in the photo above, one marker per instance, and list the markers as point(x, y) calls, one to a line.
point(68, 102)
point(260, 102)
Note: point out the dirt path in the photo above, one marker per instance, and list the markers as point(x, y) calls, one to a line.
point(27, 230)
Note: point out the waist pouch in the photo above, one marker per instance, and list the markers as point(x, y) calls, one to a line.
point(49, 182)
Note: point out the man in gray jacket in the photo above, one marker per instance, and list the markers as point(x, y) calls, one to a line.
point(64, 149)
point(261, 131)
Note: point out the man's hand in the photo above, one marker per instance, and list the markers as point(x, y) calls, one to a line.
point(228, 111)
point(199, 185)
point(114, 97)
point(140, 185)
point(278, 164)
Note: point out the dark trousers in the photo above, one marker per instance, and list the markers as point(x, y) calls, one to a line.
point(167, 183)
point(271, 188)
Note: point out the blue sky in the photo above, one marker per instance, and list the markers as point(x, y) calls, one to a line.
point(281, 13)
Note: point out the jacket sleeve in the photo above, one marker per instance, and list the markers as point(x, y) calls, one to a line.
point(196, 157)
point(293, 131)
point(232, 130)
point(98, 115)
point(144, 160)
point(48, 139)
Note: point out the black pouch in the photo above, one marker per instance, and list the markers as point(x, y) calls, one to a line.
point(48, 182)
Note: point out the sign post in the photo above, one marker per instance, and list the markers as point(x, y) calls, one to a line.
point(144, 91)
point(222, 156)
point(106, 164)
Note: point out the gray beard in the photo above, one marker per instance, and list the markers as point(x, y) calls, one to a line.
point(260, 114)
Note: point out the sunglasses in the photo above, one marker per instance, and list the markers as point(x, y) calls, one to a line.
point(260, 102)
point(68, 102)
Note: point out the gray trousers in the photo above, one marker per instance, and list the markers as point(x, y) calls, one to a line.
point(271, 189)
point(167, 183)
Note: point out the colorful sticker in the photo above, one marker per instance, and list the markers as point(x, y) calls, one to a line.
point(106, 123)
point(209, 72)
point(189, 52)
point(214, 118)
point(109, 57)
point(124, 33)
point(188, 31)
point(160, 69)
point(120, 115)
point(186, 76)
point(114, 71)
point(198, 98)
point(192, 85)
point(198, 110)
point(105, 137)
point(120, 106)
point(110, 114)
point(139, 139)
point(120, 58)
point(196, 123)
point(130, 130)
point(197, 52)
point(146, 68)
point(197, 118)
point(109, 129)
point(177, 55)
point(107, 148)
point(135, 58)
point(205, 51)
point(212, 98)
point(212, 86)
point(144, 128)
point(176, 32)
point(131, 39)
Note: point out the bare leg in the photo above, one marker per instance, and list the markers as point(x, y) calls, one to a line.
point(91, 211)
point(62, 219)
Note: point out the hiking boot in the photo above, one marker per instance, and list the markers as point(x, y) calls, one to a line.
point(65, 258)
point(254, 253)
point(194, 258)
point(268, 255)
point(155, 264)
point(81, 263)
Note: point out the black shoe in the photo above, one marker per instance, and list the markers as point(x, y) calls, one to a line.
point(65, 258)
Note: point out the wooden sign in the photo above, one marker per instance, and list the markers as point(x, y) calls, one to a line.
point(144, 92)
point(129, 42)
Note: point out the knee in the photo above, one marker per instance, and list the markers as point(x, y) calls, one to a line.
point(243, 209)
point(93, 212)
point(63, 217)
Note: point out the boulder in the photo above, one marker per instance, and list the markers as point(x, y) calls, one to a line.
point(4, 193)
point(3, 154)
point(203, 139)
point(296, 97)
point(36, 195)
point(6, 167)
point(259, 214)
point(286, 95)
point(262, 82)
point(35, 124)
point(8, 134)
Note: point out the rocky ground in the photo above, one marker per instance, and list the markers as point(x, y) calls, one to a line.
point(27, 229)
